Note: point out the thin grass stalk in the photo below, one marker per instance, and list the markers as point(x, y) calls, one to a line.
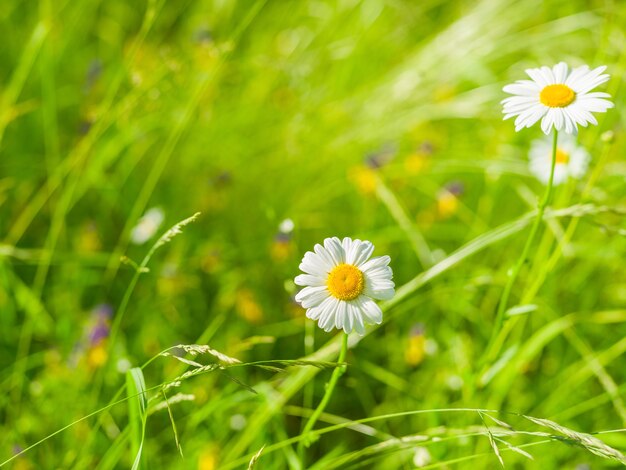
point(492, 348)
point(338, 372)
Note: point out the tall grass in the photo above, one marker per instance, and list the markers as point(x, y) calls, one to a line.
point(376, 119)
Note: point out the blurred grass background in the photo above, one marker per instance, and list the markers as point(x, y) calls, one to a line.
point(372, 119)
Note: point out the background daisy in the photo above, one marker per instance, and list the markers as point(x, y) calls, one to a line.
point(572, 160)
point(559, 98)
point(341, 282)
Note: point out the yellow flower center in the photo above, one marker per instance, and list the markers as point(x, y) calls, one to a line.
point(345, 282)
point(557, 96)
point(561, 156)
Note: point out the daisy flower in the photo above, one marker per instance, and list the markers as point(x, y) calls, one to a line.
point(147, 226)
point(561, 99)
point(341, 282)
point(571, 160)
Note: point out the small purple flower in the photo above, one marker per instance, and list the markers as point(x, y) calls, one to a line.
point(455, 188)
point(100, 330)
point(380, 158)
point(417, 330)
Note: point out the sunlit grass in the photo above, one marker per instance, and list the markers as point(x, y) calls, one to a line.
point(371, 119)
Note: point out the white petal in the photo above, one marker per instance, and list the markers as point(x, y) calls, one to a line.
point(375, 291)
point(362, 254)
point(532, 115)
point(375, 263)
point(570, 124)
point(588, 80)
point(513, 102)
point(316, 312)
point(312, 296)
point(558, 119)
point(517, 110)
point(327, 316)
point(358, 323)
point(579, 162)
point(582, 113)
point(547, 74)
point(596, 105)
point(577, 115)
point(596, 94)
point(315, 265)
point(591, 84)
point(379, 273)
point(353, 249)
point(547, 121)
point(537, 77)
point(309, 280)
point(523, 88)
point(370, 310)
point(340, 315)
point(348, 245)
point(560, 72)
point(348, 323)
point(575, 75)
point(335, 250)
point(323, 253)
point(378, 278)
point(519, 99)
point(531, 118)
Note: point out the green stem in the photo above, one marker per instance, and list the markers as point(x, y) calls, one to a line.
point(492, 348)
point(330, 387)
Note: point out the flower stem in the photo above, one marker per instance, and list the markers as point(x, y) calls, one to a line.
point(492, 349)
point(330, 387)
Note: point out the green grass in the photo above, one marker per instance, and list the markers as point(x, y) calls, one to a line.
point(252, 112)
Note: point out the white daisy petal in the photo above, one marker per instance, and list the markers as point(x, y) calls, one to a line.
point(538, 112)
point(560, 72)
point(594, 83)
point(380, 294)
point(309, 280)
point(588, 80)
point(523, 88)
point(371, 311)
point(312, 296)
point(558, 121)
point(326, 319)
point(351, 314)
point(317, 312)
point(584, 115)
point(576, 74)
point(314, 264)
point(335, 250)
point(596, 94)
point(382, 273)
point(374, 263)
point(340, 315)
point(532, 114)
point(546, 122)
point(519, 101)
point(537, 77)
point(547, 74)
point(569, 123)
point(595, 104)
point(577, 116)
point(359, 325)
point(362, 254)
point(348, 246)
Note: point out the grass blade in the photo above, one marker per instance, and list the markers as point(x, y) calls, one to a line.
point(137, 405)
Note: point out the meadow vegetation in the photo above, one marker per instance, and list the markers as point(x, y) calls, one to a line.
point(164, 166)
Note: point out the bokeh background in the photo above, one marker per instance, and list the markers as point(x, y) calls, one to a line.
point(285, 122)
